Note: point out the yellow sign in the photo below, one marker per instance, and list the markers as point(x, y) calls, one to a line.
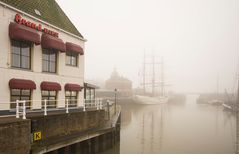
point(37, 136)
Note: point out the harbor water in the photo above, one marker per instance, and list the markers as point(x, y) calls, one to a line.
point(178, 128)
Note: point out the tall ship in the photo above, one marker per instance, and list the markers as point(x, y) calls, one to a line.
point(152, 87)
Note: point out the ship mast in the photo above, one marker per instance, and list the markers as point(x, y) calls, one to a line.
point(153, 78)
point(162, 77)
point(144, 63)
point(217, 85)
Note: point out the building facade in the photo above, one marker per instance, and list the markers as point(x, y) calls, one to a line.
point(41, 57)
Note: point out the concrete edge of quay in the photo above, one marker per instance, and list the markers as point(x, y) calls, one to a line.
point(59, 131)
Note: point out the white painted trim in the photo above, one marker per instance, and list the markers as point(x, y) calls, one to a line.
point(24, 13)
point(45, 73)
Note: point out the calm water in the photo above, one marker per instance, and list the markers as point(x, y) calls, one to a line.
point(186, 128)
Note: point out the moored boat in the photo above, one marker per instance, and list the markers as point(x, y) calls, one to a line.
point(150, 100)
point(215, 102)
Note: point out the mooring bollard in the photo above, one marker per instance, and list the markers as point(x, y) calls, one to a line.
point(24, 110)
point(67, 109)
point(17, 108)
point(45, 113)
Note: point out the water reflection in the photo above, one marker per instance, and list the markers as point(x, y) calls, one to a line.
point(186, 128)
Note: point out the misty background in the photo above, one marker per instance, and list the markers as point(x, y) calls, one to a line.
point(197, 38)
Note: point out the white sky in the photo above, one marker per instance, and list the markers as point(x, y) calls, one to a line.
point(199, 39)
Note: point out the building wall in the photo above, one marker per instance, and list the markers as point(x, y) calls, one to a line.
point(65, 74)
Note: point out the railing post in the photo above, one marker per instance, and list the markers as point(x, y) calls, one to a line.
point(101, 104)
point(84, 105)
point(45, 113)
point(97, 104)
point(24, 110)
point(17, 108)
point(67, 103)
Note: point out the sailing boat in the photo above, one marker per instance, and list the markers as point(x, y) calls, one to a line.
point(232, 103)
point(216, 101)
point(153, 98)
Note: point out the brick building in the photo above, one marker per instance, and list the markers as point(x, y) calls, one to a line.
point(42, 55)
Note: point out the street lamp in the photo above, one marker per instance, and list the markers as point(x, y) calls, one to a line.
point(115, 99)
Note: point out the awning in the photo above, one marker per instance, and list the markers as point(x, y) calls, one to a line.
point(74, 47)
point(50, 42)
point(20, 32)
point(51, 86)
point(72, 87)
point(21, 84)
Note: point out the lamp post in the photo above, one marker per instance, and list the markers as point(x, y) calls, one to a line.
point(115, 99)
point(237, 120)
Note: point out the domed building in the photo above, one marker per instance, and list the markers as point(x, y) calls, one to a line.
point(122, 84)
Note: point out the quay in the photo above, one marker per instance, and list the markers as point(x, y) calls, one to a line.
point(90, 131)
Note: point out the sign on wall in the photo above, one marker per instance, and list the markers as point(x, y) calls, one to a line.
point(22, 21)
point(37, 136)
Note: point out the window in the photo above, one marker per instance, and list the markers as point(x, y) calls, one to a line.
point(50, 96)
point(71, 58)
point(92, 94)
point(72, 98)
point(49, 61)
point(19, 94)
point(21, 54)
point(88, 96)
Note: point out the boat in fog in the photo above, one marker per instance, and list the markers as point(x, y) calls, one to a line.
point(150, 100)
point(231, 103)
point(156, 82)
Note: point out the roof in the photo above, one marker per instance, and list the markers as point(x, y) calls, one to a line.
point(50, 13)
point(88, 85)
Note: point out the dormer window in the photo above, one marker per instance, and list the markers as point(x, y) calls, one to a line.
point(37, 12)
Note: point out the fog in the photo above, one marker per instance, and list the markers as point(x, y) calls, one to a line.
point(197, 38)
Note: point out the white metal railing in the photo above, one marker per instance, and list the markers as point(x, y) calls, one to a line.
point(46, 105)
point(93, 103)
point(23, 107)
